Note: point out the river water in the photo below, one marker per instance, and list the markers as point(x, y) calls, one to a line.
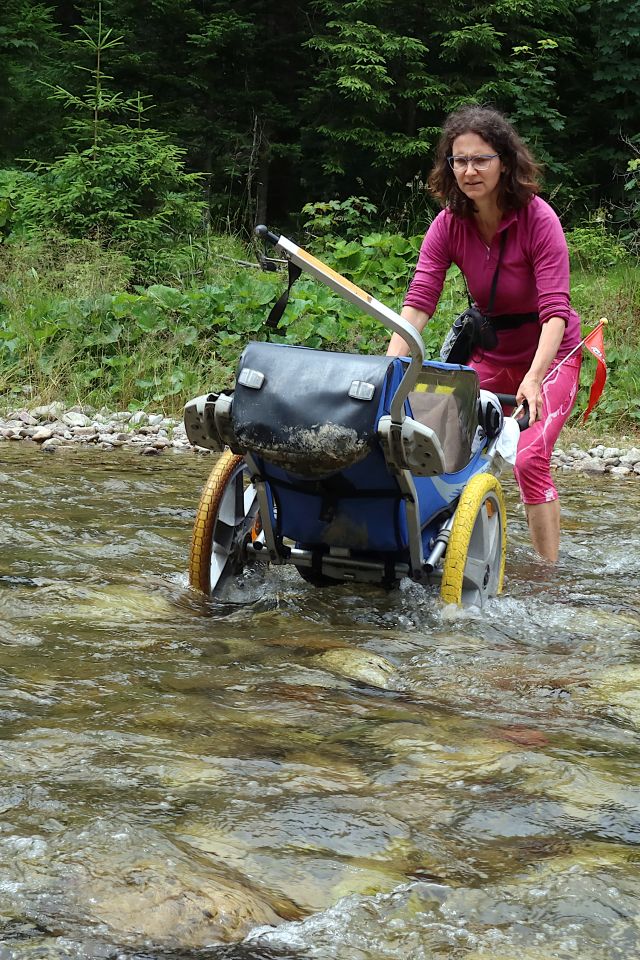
point(302, 773)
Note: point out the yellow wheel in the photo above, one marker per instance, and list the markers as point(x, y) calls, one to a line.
point(224, 518)
point(473, 567)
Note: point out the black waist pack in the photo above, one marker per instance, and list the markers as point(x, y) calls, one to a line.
point(471, 331)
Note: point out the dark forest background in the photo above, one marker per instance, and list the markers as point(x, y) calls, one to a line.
point(282, 103)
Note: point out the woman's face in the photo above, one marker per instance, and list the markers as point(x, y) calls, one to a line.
point(481, 186)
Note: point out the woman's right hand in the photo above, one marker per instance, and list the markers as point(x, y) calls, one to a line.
point(530, 390)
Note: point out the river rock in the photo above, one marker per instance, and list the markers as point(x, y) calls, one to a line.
point(590, 795)
point(51, 444)
point(309, 881)
point(75, 419)
point(146, 891)
point(88, 434)
point(42, 434)
point(83, 425)
point(18, 639)
point(187, 913)
point(593, 466)
point(109, 440)
point(23, 416)
point(429, 754)
point(119, 604)
point(50, 411)
point(617, 690)
point(359, 665)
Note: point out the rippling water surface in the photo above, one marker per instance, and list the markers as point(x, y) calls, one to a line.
point(302, 773)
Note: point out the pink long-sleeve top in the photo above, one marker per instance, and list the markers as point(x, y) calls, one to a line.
point(533, 277)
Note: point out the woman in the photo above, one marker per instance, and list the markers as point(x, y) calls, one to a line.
point(488, 182)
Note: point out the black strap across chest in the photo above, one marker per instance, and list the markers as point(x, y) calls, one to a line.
point(494, 282)
point(505, 321)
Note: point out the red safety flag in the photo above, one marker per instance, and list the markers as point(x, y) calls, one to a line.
point(595, 345)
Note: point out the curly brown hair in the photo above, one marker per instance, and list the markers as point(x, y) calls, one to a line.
point(520, 180)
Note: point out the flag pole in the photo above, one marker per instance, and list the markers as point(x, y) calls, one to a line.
point(603, 322)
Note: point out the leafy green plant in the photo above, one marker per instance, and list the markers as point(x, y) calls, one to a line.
point(529, 78)
point(593, 246)
point(629, 211)
point(119, 182)
point(10, 186)
point(620, 402)
point(338, 218)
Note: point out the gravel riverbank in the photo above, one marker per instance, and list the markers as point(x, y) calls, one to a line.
point(53, 426)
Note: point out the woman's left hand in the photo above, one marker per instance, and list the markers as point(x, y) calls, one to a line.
point(531, 390)
point(531, 387)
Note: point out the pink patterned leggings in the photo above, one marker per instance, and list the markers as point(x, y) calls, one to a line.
point(533, 459)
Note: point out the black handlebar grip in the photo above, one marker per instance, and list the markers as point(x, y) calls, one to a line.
point(523, 421)
point(266, 234)
point(509, 400)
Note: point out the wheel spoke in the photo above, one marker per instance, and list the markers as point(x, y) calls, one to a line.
point(250, 497)
point(231, 511)
point(219, 559)
point(474, 576)
point(223, 535)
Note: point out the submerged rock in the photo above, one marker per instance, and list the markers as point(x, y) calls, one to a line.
point(145, 890)
point(359, 665)
point(121, 604)
point(618, 689)
point(437, 751)
point(153, 902)
point(308, 880)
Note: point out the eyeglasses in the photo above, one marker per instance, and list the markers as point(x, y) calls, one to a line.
point(478, 163)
